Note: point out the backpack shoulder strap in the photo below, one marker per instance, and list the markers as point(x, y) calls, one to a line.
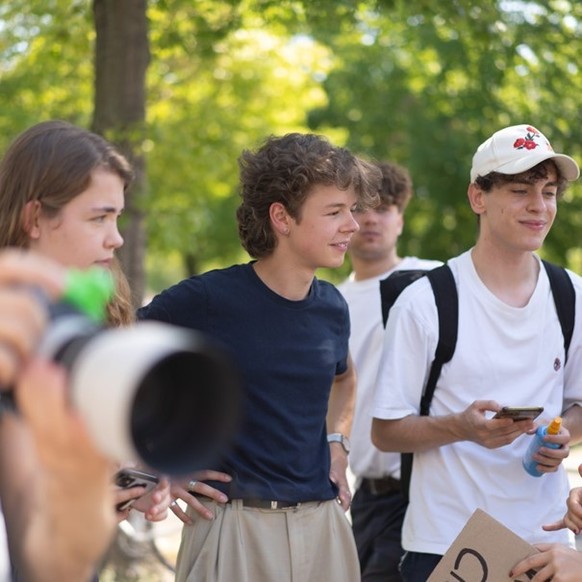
point(393, 285)
point(447, 304)
point(565, 300)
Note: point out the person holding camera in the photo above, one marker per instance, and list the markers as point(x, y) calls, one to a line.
point(62, 190)
point(282, 515)
point(57, 529)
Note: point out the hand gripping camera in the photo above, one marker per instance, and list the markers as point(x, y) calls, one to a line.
point(155, 393)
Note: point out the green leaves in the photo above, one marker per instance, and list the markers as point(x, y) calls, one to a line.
point(417, 82)
point(424, 85)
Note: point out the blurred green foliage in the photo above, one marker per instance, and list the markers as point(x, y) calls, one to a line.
point(417, 82)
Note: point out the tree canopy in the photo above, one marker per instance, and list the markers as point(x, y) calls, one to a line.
point(417, 82)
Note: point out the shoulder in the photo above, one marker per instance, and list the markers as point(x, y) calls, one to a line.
point(418, 292)
point(414, 313)
point(175, 300)
point(574, 278)
point(416, 263)
point(409, 271)
point(421, 289)
point(328, 296)
point(576, 281)
point(221, 278)
point(215, 279)
point(171, 300)
point(417, 300)
point(577, 284)
point(328, 291)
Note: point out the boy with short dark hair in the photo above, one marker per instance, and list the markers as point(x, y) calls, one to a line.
point(510, 351)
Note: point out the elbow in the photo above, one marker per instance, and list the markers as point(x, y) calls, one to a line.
point(378, 437)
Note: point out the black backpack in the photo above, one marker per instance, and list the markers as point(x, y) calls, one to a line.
point(447, 304)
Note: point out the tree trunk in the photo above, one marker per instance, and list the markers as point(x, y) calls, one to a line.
point(121, 60)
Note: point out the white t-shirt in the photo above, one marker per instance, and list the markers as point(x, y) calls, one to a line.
point(514, 356)
point(366, 339)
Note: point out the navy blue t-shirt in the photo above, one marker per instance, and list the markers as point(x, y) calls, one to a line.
point(288, 353)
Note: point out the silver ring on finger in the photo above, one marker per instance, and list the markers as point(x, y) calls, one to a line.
point(191, 485)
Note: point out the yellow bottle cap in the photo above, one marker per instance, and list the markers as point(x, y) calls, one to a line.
point(554, 426)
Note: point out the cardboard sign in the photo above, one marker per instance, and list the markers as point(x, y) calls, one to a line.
point(484, 551)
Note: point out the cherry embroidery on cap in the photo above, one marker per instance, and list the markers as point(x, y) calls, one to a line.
point(527, 142)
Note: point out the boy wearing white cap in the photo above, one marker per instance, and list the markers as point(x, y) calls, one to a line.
point(509, 351)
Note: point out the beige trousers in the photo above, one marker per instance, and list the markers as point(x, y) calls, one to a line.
point(313, 543)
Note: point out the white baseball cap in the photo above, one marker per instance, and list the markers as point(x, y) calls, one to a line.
point(518, 148)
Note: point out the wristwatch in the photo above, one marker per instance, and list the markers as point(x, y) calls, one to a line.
point(338, 437)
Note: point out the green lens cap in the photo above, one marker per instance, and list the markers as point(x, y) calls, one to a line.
point(90, 291)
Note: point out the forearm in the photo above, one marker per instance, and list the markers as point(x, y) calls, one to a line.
point(17, 471)
point(71, 529)
point(51, 537)
point(55, 548)
point(339, 420)
point(341, 403)
point(415, 433)
point(46, 562)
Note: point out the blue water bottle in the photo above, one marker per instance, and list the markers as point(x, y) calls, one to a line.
point(537, 442)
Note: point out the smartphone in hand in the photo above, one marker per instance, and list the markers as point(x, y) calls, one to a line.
point(127, 478)
point(520, 412)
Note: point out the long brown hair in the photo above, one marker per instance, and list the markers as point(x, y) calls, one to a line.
point(52, 163)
